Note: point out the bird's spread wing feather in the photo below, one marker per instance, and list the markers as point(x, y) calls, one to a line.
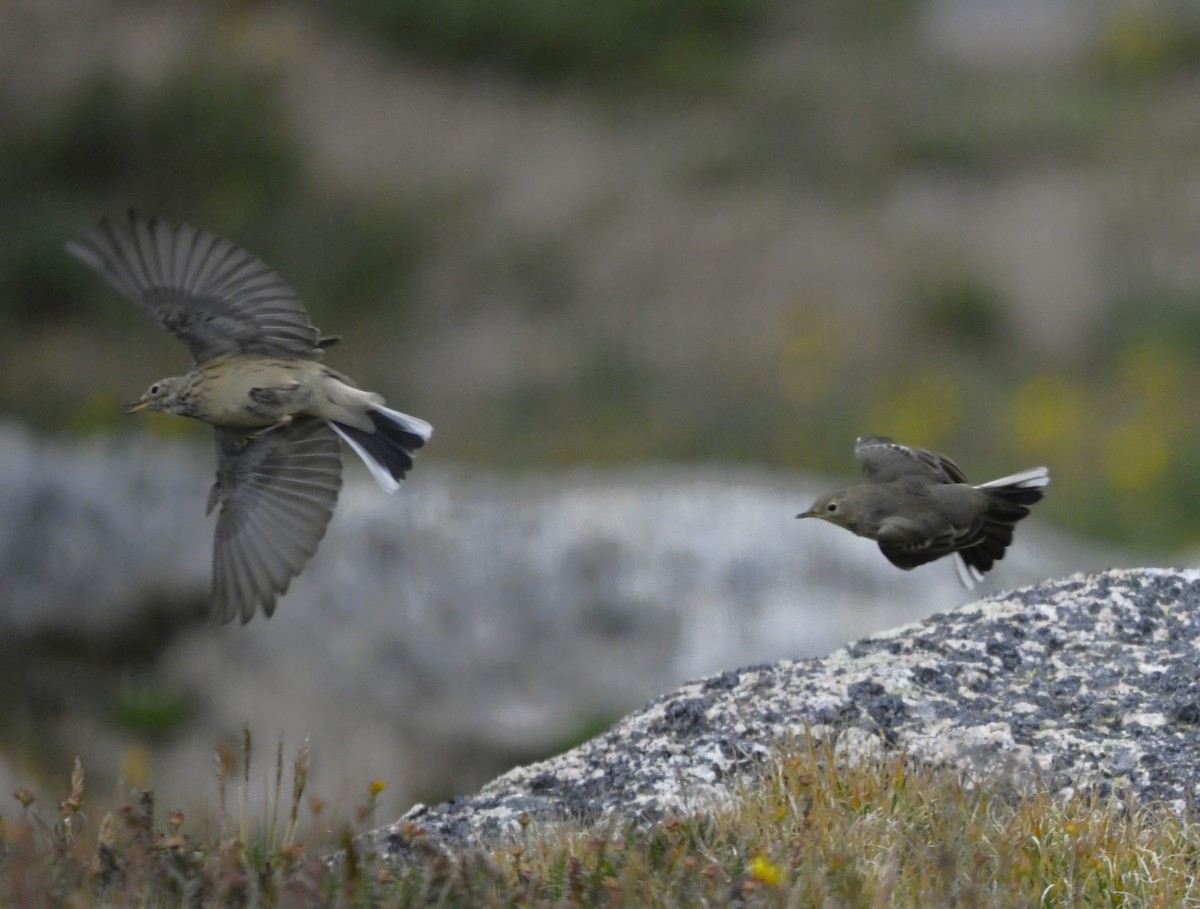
point(218, 299)
point(885, 460)
point(276, 493)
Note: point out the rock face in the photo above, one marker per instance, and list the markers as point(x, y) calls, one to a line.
point(1092, 681)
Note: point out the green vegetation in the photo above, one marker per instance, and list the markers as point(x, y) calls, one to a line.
point(656, 41)
point(147, 712)
point(814, 832)
point(1142, 45)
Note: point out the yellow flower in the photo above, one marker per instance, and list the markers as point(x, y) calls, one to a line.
point(763, 869)
point(377, 786)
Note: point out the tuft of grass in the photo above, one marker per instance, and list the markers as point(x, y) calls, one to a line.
point(815, 831)
point(134, 857)
point(884, 832)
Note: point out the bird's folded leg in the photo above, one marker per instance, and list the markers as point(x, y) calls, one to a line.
point(278, 424)
point(214, 496)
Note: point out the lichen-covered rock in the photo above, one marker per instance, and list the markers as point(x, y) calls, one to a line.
point(1088, 682)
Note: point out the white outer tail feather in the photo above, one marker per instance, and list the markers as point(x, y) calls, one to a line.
point(968, 575)
point(389, 483)
point(415, 425)
point(1033, 478)
point(382, 476)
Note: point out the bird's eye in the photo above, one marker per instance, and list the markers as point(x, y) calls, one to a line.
point(154, 389)
point(831, 507)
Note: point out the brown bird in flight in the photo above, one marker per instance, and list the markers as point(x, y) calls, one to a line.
point(258, 379)
point(918, 506)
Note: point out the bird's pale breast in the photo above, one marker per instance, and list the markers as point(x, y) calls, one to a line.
point(251, 391)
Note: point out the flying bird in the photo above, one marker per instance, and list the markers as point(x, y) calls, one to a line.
point(918, 506)
point(258, 378)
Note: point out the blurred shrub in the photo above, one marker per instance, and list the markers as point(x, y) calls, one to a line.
point(971, 122)
point(210, 139)
point(552, 39)
point(149, 711)
point(961, 307)
point(1148, 41)
point(209, 142)
point(36, 286)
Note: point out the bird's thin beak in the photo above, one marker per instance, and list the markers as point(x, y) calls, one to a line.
point(137, 406)
point(807, 514)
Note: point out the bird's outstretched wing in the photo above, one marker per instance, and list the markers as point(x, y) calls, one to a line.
point(216, 298)
point(885, 460)
point(276, 492)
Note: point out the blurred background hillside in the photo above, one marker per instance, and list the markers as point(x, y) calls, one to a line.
point(611, 232)
point(600, 232)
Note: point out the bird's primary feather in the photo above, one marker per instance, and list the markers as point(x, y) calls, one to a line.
point(217, 298)
point(276, 494)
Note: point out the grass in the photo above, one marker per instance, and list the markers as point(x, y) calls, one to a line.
point(812, 832)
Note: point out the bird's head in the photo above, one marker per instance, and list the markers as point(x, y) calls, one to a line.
point(833, 507)
point(159, 396)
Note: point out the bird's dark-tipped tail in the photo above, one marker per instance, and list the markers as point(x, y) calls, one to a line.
point(388, 451)
point(1010, 500)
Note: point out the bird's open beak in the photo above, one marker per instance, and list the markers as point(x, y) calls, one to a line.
point(137, 406)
